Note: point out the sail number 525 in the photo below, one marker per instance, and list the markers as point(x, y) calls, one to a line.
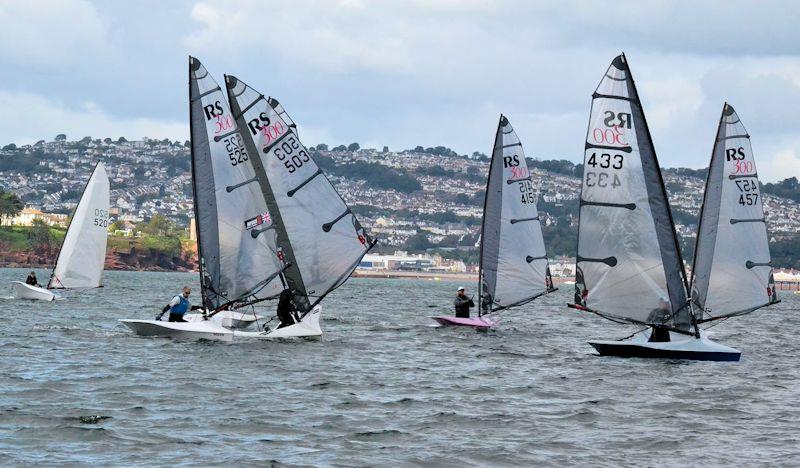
point(291, 154)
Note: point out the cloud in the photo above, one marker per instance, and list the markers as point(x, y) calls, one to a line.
point(48, 33)
point(38, 118)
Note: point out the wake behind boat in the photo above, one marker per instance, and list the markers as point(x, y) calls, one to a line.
point(513, 262)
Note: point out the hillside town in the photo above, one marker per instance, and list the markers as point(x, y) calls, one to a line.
point(418, 200)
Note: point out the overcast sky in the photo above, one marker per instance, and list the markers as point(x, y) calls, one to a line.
point(408, 73)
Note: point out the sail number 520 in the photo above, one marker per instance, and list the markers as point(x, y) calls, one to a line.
point(291, 154)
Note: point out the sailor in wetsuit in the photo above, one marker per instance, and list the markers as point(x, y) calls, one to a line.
point(31, 279)
point(287, 311)
point(660, 315)
point(462, 304)
point(178, 306)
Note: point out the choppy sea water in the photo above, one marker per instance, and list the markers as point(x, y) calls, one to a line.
point(384, 387)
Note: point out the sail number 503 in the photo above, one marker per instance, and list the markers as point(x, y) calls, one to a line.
point(291, 154)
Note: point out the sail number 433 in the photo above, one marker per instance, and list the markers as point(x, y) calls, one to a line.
point(602, 179)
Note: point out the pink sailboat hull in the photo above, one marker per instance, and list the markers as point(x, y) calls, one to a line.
point(474, 322)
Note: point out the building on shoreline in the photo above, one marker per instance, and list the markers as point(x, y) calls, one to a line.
point(30, 214)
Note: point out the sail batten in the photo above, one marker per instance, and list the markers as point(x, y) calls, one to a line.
point(629, 264)
point(513, 259)
point(235, 265)
point(318, 237)
point(732, 273)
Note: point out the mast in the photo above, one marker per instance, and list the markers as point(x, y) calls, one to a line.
point(483, 219)
point(194, 65)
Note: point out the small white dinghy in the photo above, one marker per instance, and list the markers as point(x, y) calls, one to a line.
point(680, 346)
point(26, 291)
point(212, 330)
point(82, 256)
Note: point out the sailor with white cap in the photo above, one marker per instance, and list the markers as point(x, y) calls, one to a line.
point(462, 303)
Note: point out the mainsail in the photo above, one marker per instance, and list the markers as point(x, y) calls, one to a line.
point(83, 253)
point(318, 237)
point(732, 273)
point(235, 266)
point(514, 266)
point(629, 265)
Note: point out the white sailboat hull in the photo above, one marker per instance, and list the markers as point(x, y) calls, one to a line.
point(308, 327)
point(228, 319)
point(680, 346)
point(26, 291)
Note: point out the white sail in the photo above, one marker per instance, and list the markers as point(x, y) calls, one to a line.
point(513, 257)
point(732, 273)
point(83, 253)
point(318, 236)
point(628, 264)
point(229, 205)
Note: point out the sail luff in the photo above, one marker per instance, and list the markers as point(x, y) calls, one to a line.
point(712, 194)
point(671, 256)
point(487, 279)
point(201, 159)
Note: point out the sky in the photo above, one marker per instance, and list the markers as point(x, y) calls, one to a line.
point(403, 73)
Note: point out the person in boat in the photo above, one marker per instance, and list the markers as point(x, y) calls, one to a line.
point(287, 310)
point(660, 315)
point(462, 303)
point(32, 280)
point(179, 305)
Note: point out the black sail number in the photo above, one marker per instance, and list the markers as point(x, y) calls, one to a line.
point(606, 161)
point(601, 179)
point(595, 176)
point(235, 149)
point(291, 154)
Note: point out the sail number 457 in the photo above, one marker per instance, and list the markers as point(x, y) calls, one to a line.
point(748, 191)
point(291, 154)
point(603, 161)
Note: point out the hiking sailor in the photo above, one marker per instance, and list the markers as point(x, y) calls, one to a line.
point(178, 306)
point(462, 304)
point(31, 279)
point(287, 311)
point(660, 316)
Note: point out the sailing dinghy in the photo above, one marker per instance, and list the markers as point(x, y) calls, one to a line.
point(629, 264)
point(237, 269)
point(513, 262)
point(82, 256)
